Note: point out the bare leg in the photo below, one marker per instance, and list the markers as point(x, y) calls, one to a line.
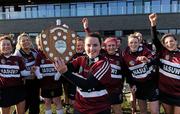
point(20, 107)
point(117, 109)
point(5, 110)
point(133, 103)
point(167, 108)
point(142, 106)
point(176, 109)
point(154, 107)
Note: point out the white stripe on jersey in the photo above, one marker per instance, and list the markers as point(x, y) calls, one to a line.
point(9, 75)
point(119, 76)
point(9, 66)
point(46, 65)
point(76, 74)
point(169, 74)
point(144, 73)
point(15, 67)
point(137, 66)
point(30, 63)
point(104, 73)
point(115, 67)
point(48, 74)
point(102, 70)
point(93, 93)
point(170, 63)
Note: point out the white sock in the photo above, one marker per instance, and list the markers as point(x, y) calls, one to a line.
point(48, 112)
point(60, 111)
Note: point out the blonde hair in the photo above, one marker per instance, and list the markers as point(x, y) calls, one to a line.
point(133, 36)
point(18, 46)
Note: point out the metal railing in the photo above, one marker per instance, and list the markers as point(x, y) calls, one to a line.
point(90, 12)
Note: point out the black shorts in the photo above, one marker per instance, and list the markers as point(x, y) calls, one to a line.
point(12, 95)
point(116, 98)
point(169, 99)
point(147, 92)
point(51, 93)
point(71, 91)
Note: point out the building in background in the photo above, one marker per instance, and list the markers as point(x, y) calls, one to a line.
point(109, 17)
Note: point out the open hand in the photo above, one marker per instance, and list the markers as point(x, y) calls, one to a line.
point(60, 65)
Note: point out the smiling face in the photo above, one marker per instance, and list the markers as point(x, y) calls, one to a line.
point(80, 46)
point(133, 43)
point(25, 42)
point(170, 43)
point(5, 47)
point(92, 46)
point(111, 47)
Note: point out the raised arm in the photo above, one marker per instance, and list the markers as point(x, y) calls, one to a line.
point(86, 26)
point(153, 21)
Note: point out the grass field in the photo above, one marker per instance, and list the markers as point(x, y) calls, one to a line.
point(126, 107)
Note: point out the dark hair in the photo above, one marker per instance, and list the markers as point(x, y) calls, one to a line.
point(96, 35)
point(6, 37)
point(167, 35)
point(79, 39)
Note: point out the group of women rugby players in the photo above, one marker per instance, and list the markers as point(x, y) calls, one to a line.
point(94, 77)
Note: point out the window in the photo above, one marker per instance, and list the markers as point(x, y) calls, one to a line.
point(173, 31)
point(8, 10)
point(118, 33)
point(156, 6)
point(130, 8)
point(81, 9)
point(31, 11)
point(113, 8)
point(121, 7)
point(50, 10)
point(73, 10)
point(57, 10)
point(42, 11)
point(90, 9)
point(174, 7)
point(138, 7)
point(65, 10)
point(165, 7)
point(147, 6)
point(97, 10)
point(104, 9)
point(178, 31)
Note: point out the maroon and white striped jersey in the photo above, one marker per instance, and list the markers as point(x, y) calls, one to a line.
point(48, 71)
point(140, 71)
point(29, 59)
point(10, 69)
point(92, 100)
point(169, 67)
point(117, 73)
point(169, 70)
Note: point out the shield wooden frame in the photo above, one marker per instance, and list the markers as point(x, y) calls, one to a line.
point(58, 41)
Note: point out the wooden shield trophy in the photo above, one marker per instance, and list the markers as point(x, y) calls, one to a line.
point(58, 41)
